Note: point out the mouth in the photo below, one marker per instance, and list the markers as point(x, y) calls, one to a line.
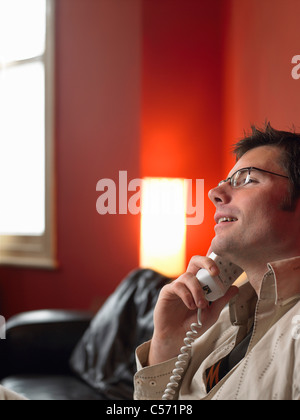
point(226, 220)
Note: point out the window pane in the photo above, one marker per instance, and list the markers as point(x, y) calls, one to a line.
point(22, 29)
point(22, 151)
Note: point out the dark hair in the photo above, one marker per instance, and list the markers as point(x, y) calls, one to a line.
point(288, 141)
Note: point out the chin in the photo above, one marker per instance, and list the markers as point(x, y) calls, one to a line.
point(223, 248)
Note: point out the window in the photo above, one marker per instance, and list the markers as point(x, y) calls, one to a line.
point(26, 132)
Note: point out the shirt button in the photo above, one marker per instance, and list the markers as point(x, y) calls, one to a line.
point(152, 383)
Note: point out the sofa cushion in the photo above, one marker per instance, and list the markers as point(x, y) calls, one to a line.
point(51, 387)
point(105, 356)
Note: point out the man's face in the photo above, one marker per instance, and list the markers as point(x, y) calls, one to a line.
point(260, 228)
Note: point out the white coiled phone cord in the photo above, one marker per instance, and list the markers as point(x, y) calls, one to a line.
point(183, 359)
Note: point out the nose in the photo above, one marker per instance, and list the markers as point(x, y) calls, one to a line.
point(220, 194)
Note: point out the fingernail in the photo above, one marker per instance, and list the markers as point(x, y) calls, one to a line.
point(192, 306)
point(213, 270)
point(202, 304)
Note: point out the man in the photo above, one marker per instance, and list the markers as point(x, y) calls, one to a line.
point(248, 349)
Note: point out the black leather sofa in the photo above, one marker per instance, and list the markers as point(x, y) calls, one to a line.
point(68, 355)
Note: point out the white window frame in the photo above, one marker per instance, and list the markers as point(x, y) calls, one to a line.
point(40, 251)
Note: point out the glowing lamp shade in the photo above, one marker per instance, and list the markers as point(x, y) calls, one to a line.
point(163, 225)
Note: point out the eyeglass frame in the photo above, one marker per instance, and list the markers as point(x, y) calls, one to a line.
point(249, 169)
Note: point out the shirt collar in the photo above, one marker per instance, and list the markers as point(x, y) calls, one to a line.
point(280, 285)
point(285, 276)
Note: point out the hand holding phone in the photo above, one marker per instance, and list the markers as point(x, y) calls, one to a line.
point(216, 287)
point(178, 305)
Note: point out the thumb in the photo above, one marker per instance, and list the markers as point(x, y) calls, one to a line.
point(222, 302)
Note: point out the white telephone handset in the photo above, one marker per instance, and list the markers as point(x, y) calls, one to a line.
point(214, 288)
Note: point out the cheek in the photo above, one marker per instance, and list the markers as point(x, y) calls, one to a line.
point(259, 218)
point(265, 221)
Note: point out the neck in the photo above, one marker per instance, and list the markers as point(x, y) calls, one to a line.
point(257, 268)
point(255, 276)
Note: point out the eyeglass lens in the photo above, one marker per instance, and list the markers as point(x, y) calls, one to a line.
point(240, 178)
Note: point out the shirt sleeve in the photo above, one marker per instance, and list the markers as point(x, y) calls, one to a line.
point(150, 382)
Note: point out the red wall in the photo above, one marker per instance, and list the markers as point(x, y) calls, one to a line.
point(97, 134)
point(138, 89)
point(182, 98)
point(157, 88)
point(262, 38)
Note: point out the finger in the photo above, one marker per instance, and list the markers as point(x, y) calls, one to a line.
point(196, 290)
point(185, 295)
point(189, 290)
point(231, 293)
point(197, 262)
point(222, 302)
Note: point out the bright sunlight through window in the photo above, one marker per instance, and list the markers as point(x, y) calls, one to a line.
point(22, 117)
point(25, 110)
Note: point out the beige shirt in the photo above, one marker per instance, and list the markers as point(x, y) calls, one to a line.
point(270, 369)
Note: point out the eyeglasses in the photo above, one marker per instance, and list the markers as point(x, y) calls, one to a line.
point(243, 177)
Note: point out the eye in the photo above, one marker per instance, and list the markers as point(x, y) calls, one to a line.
point(252, 181)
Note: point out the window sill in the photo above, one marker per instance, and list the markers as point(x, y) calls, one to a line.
point(29, 262)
